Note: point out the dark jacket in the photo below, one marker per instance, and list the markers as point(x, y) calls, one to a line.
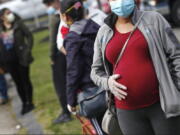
point(23, 43)
point(54, 21)
point(79, 44)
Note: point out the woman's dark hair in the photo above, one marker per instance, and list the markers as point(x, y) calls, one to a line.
point(1, 21)
point(48, 1)
point(75, 13)
point(2, 11)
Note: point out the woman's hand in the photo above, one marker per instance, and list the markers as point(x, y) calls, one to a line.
point(117, 89)
point(72, 109)
point(63, 50)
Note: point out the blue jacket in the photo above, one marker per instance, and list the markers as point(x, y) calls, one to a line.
point(79, 44)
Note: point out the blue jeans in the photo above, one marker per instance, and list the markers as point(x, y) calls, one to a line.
point(3, 87)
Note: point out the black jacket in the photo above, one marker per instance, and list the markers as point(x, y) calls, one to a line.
point(79, 44)
point(23, 43)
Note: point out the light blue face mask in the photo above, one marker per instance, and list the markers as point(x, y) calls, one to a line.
point(86, 4)
point(122, 8)
point(51, 11)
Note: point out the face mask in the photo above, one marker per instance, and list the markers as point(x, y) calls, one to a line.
point(51, 11)
point(122, 8)
point(86, 4)
point(10, 17)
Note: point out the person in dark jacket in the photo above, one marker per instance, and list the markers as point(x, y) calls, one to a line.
point(58, 60)
point(79, 46)
point(16, 42)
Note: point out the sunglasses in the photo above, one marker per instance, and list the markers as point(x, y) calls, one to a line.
point(76, 6)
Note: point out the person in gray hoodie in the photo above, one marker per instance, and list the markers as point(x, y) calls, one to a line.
point(150, 57)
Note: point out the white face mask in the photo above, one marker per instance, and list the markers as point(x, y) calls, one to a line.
point(10, 17)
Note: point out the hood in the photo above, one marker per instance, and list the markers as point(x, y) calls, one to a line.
point(84, 27)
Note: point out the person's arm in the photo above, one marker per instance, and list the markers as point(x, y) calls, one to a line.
point(28, 35)
point(74, 68)
point(171, 47)
point(53, 31)
point(63, 50)
point(60, 40)
point(98, 74)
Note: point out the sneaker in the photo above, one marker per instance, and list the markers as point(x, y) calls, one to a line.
point(27, 108)
point(63, 118)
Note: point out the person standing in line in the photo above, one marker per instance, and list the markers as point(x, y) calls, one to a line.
point(136, 79)
point(58, 60)
point(79, 46)
point(93, 13)
point(79, 43)
point(16, 42)
point(89, 12)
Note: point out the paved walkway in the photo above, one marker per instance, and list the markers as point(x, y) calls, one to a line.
point(8, 122)
point(10, 118)
point(28, 121)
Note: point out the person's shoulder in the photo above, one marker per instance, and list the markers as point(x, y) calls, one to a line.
point(72, 37)
point(103, 29)
point(153, 16)
point(72, 40)
point(19, 24)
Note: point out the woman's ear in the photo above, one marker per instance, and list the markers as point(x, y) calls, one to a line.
point(65, 18)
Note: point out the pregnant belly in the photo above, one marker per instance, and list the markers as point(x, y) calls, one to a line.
point(142, 86)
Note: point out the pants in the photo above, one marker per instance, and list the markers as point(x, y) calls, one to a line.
point(147, 121)
point(59, 80)
point(20, 75)
point(3, 87)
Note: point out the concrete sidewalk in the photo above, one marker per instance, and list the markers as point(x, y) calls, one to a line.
point(11, 120)
point(8, 123)
point(27, 121)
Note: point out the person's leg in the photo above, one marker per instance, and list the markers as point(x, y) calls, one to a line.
point(27, 87)
point(59, 80)
point(3, 90)
point(162, 125)
point(3, 87)
point(134, 122)
point(15, 74)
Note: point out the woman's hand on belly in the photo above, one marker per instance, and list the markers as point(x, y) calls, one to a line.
point(116, 88)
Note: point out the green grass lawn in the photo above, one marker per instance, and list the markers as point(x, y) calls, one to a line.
point(47, 106)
